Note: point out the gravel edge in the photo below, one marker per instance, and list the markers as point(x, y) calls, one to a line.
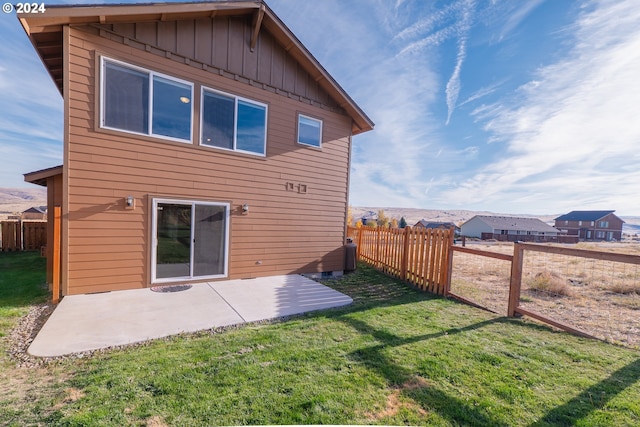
point(30, 324)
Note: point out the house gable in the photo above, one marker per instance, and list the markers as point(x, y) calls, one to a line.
point(207, 43)
point(203, 35)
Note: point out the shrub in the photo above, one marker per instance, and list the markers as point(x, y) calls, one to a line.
point(550, 283)
point(625, 288)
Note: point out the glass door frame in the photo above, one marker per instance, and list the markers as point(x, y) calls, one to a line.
point(154, 238)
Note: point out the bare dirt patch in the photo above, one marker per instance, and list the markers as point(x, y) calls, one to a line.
point(394, 402)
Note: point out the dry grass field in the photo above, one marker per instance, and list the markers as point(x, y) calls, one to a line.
point(601, 298)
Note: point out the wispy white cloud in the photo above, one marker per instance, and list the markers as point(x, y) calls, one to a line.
point(454, 83)
point(427, 24)
point(481, 93)
point(518, 15)
point(453, 21)
point(574, 124)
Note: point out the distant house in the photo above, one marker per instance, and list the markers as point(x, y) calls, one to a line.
point(437, 225)
point(509, 229)
point(368, 216)
point(591, 225)
point(36, 212)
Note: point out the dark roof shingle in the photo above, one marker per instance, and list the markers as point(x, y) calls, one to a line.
point(583, 215)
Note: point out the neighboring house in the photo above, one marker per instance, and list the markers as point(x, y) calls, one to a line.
point(437, 225)
point(368, 216)
point(202, 141)
point(591, 225)
point(509, 229)
point(36, 212)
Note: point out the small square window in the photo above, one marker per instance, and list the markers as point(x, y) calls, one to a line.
point(309, 131)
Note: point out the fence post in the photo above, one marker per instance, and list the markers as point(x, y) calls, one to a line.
point(56, 255)
point(404, 267)
point(359, 244)
point(377, 255)
point(447, 284)
point(515, 282)
point(19, 236)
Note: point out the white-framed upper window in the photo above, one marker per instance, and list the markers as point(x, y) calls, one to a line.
point(140, 101)
point(233, 123)
point(309, 131)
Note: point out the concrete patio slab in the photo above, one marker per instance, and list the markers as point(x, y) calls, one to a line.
point(277, 296)
point(94, 321)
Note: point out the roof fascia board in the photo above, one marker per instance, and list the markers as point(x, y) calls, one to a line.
point(65, 14)
point(39, 177)
point(257, 24)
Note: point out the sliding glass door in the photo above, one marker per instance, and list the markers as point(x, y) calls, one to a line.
point(190, 240)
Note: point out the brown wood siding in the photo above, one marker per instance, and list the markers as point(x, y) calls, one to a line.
point(288, 232)
point(223, 42)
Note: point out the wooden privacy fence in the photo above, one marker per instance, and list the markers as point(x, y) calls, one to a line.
point(23, 235)
point(419, 256)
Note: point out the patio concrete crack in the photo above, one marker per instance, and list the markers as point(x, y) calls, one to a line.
point(227, 302)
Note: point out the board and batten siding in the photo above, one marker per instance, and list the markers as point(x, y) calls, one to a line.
point(108, 246)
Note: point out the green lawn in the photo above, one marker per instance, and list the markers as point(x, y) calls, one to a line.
point(396, 356)
point(22, 283)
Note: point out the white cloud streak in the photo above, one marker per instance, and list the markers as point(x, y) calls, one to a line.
point(523, 10)
point(454, 83)
point(575, 124)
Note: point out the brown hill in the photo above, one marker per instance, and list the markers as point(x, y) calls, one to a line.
point(16, 200)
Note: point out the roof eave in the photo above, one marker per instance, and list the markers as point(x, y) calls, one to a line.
point(40, 177)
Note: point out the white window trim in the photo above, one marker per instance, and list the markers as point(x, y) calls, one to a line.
point(154, 239)
point(319, 146)
point(103, 62)
point(236, 98)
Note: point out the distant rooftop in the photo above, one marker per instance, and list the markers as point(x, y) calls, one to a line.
point(583, 215)
point(515, 223)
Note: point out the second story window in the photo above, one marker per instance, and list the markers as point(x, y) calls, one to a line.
point(603, 224)
point(233, 123)
point(309, 131)
point(144, 102)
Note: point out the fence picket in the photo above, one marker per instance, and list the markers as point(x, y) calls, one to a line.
point(418, 256)
point(23, 235)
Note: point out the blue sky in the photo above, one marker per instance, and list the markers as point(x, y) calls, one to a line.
point(500, 105)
